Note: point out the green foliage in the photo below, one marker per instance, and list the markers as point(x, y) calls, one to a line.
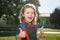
point(38, 18)
point(55, 18)
point(9, 7)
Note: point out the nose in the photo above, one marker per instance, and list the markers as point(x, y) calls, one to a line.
point(30, 14)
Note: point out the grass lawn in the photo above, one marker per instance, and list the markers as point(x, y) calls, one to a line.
point(50, 37)
point(43, 37)
point(7, 38)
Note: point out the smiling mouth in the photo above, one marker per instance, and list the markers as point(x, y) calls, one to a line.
point(30, 17)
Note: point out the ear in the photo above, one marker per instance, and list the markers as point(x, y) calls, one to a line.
point(23, 15)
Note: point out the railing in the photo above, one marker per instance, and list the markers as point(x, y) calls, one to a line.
point(8, 30)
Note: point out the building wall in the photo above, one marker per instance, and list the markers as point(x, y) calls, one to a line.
point(44, 20)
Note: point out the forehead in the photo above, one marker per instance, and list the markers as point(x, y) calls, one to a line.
point(28, 7)
point(29, 10)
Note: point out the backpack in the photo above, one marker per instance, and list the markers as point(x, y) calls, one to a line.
point(22, 25)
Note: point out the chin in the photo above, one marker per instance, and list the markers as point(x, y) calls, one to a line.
point(30, 21)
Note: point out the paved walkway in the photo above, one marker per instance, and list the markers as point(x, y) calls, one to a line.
point(38, 32)
point(51, 32)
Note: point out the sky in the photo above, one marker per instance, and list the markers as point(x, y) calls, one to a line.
point(48, 6)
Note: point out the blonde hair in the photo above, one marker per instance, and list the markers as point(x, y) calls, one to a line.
point(29, 5)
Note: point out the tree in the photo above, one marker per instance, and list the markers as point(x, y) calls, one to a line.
point(12, 7)
point(9, 7)
point(55, 18)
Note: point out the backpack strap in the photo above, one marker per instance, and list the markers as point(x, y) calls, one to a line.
point(22, 26)
point(37, 26)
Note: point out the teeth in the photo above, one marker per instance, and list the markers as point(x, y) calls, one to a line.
point(30, 17)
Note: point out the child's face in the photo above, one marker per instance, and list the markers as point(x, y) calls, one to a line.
point(29, 14)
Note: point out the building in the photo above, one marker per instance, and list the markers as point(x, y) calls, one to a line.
point(44, 20)
point(44, 17)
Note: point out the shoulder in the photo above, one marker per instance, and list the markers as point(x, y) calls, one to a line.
point(22, 25)
point(37, 26)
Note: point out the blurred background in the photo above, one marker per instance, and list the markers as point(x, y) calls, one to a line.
point(48, 15)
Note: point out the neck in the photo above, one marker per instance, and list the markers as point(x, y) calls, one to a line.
point(28, 22)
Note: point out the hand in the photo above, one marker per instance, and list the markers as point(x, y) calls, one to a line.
point(23, 33)
point(42, 30)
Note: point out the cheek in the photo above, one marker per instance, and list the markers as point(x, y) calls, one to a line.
point(25, 16)
point(33, 16)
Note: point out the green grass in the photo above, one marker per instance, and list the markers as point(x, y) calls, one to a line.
point(7, 38)
point(43, 37)
point(50, 37)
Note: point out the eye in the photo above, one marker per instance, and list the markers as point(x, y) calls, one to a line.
point(27, 13)
point(32, 13)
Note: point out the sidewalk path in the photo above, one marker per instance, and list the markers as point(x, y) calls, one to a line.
point(51, 32)
point(38, 32)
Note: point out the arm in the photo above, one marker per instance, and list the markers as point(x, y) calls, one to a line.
point(40, 33)
point(20, 35)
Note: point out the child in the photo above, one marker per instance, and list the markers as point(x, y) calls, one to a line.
point(27, 28)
